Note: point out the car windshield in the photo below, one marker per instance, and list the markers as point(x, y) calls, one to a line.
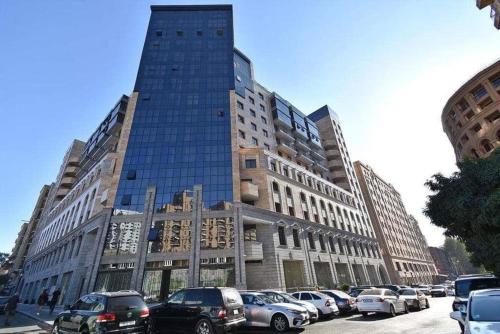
point(289, 296)
point(407, 292)
point(438, 287)
point(464, 287)
point(485, 308)
point(265, 299)
point(371, 292)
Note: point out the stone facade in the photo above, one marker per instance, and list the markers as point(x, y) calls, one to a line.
point(471, 117)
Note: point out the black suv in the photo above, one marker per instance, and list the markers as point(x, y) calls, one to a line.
point(105, 312)
point(200, 311)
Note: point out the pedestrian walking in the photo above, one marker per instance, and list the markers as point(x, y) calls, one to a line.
point(42, 300)
point(10, 308)
point(54, 299)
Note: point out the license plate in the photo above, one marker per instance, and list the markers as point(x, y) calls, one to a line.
point(368, 300)
point(236, 312)
point(127, 323)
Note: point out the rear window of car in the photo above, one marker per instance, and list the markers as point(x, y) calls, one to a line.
point(407, 292)
point(341, 294)
point(371, 292)
point(232, 297)
point(464, 287)
point(125, 303)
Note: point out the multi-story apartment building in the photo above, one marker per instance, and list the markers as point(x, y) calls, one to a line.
point(444, 265)
point(471, 117)
point(204, 177)
point(404, 247)
point(25, 239)
point(494, 10)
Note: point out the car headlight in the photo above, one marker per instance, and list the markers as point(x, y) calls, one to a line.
point(295, 312)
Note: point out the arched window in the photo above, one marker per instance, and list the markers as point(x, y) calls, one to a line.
point(486, 146)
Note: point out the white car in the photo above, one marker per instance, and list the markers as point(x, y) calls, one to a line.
point(283, 297)
point(325, 304)
point(261, 311)
point(481, 313)
point(381, 301)
point(439, 291)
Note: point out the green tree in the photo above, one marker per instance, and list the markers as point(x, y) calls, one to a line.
point(467, 205)
point(459, 257)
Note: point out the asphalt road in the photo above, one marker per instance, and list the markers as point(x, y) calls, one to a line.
point(434, 320)
point(20, 324)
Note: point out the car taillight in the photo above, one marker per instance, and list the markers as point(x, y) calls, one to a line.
point(222, 314)
point(357, 300)
point(380, 300)
point(144, 313)
point(106, 317)
point(351, 301)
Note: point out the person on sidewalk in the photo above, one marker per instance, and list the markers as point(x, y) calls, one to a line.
point(54, 299)
point(10, 308)
point(42, 300)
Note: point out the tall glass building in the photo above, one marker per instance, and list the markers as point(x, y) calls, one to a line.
point(181, 131)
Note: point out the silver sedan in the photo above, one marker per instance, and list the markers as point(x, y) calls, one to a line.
point(381, 301)
point(260, 311)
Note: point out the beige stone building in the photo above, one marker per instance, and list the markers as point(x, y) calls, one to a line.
point(471, 117)
point(404, 247)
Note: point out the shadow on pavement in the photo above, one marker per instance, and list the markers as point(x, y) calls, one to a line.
point(370, 317)
point(263, 330)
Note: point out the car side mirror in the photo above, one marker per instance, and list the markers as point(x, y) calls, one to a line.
point(457, 315)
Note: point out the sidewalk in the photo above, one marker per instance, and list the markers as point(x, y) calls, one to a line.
point(45, 319)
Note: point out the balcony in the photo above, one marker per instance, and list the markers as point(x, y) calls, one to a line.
point(302, 145)
point(320, 168)
point(287, 149)
point(304, 159)
point(249, 191)
point(283, 135)
point(67, 181)
point(253, 251)
point(70, 171)
point(336, 164)
point(317, 155)
point(61, 192)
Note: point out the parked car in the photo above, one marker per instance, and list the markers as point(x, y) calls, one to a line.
point(414, 298)
point(467, 283)
point(3, 302)
point(381, 301)
point(325, 304)
point(392, 287)
point(354, 292)
point(451, 292)
point(104, 312)
point(200, 311)
point(344, 302)
point(480, 315)
point(426, 289)
point(261, 311)
point(439, 291)
point(283, 297)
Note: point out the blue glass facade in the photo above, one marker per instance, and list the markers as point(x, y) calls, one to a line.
point(181, 131)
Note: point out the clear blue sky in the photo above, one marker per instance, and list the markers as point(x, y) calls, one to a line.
point(386, 67)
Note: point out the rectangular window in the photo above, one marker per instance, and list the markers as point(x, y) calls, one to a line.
point(262, 108)
point(332, 244)
point(250, 163)
point(254, 126)
point(267, 147)
point(255, 141)
point(252, 112)
point(266, 134)
point(126, 200)
point(240, 105)
point(291, 211)
point(341, 247)
point(322, 243)
point(310, 237)
point(252, 101)
point(263, 119)
point(277, 207)
point(241, 134)
point(281, 235)
point(296, 239)
point(241, 119)
point(261, 96)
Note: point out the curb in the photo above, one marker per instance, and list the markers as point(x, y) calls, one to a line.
point(40, 322)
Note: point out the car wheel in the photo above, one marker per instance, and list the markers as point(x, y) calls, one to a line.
point(85, 331)
point(55, 328)
point(392, 311)
point(203, 326)
point(364, 314)
point(279, 323)
point(407, 309)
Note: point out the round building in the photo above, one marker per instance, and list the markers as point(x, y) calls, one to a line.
point(471, 117)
